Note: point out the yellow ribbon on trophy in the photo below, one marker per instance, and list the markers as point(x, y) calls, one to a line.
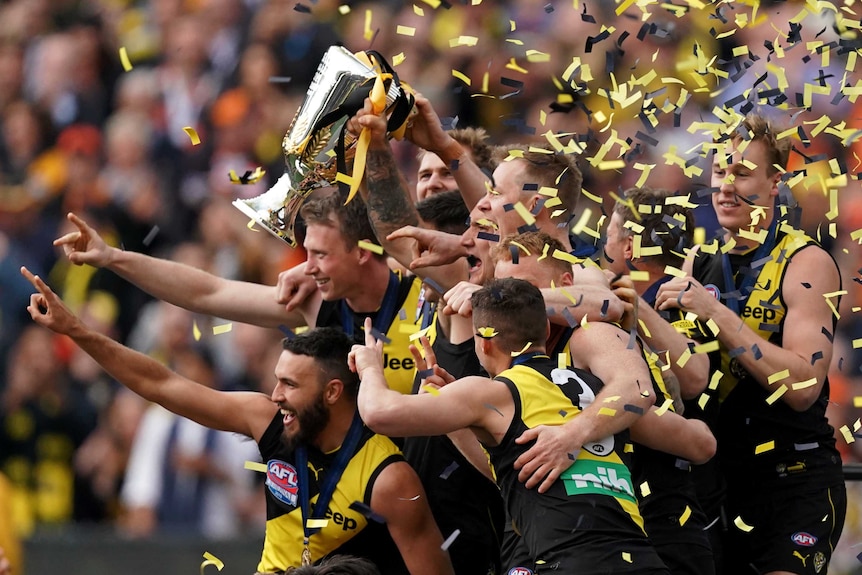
point(378, 105)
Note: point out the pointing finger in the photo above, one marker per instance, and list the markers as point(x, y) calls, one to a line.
point(370, 340)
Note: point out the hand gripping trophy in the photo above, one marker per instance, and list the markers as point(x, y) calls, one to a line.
point(317, 145)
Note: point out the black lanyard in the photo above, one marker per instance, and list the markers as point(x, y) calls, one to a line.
point(750, 278)
point(525, 357)
point(384, 315)
point(333, 475)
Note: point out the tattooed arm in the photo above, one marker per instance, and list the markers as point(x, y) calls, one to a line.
point(389, 205)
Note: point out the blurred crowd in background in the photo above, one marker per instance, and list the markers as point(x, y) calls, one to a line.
point(632, 84)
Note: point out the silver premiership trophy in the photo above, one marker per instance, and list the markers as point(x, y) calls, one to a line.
point(316, 142)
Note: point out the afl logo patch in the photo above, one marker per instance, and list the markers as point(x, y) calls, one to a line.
point(804, 539)
point(282, 482)
point(520, 571)
point(713, 289)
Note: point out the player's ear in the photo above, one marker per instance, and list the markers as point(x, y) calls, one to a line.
point(628, 248)
point(365, 255)
point(332, 391)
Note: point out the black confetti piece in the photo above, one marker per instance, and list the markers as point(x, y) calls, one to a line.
point(367, 512)
point(151, 235)
point(288, 333)
point(633, 409)
point(449, 470)
point(513, 250)
point(488, 236)
point(378, 335)
point(816, 356)
point(827, 333)
point(756, 351)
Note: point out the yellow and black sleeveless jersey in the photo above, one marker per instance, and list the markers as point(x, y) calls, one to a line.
point(351, 529)
point(398, 363)
point(802, 443)
point(588, 522)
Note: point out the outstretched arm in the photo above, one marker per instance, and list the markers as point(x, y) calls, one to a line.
point(183, 285)
point(241, 412)
point(462, 403)
point(398, 497)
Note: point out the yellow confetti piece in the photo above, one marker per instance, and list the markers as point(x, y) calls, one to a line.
point(487, 332)
point(420, 333)
point(344, 178)
point(684, 357)
point(193, 135)
point(713, 327)
point(639, 275)
point(367, 32)
point(664, 406)
point(405, 30)
point(513, 65)
point(611, 399)
point(124, 59)
point(523, 349)
point(702, 401)
point(398, 58)
point(363, 245)
point(344, 9)
point(463, 41)
point(848, 435)
point(250, 226)
point(803, 384)
point(537, 56)
point(562, 361)
point(525, 214)
point(644, 489)
point(431, 389)
point(627, 557)
point(609, 411)
point(210, 559)
point(857, 401)
point(628, 448)
point(461, 76)
point(778, 376)
point(317, 523)
point(764, 447)
point(196, 332)
point(776, 394)
point(741, 525)
point(685, 515)
point(715, 380)
point(255, 466)
point(857, 343)
point(224, 328)
point(672, 271)
point(707, 347)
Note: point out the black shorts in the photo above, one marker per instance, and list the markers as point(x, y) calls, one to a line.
point(642, 559)
point(684, 551)
point(791, 531)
